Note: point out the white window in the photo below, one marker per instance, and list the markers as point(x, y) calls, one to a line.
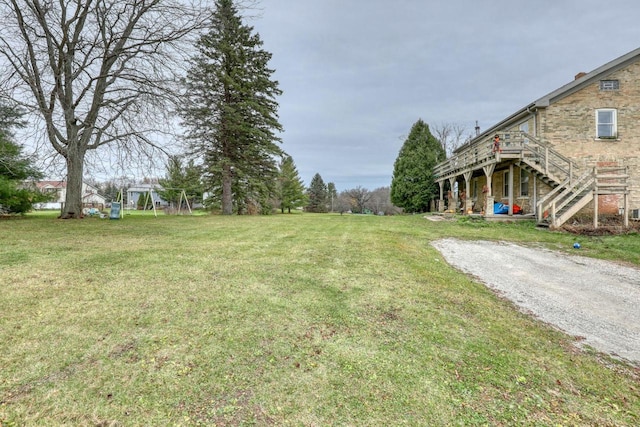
point(505, 186)
point(606, 123)
point(524, 183)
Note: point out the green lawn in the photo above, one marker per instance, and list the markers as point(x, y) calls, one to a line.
point(302, 319)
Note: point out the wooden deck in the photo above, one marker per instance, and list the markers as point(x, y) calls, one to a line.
point(571, 188)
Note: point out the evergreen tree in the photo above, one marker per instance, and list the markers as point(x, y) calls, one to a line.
point(317, 194)
point(145, 201)
point(181, 177)
point(15, 168)
point(292, 193)
point(109, 190)
point(413, 185)
point(231, 112)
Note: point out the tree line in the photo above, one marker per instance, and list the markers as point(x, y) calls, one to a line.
point(110, 75)
point(290, 192)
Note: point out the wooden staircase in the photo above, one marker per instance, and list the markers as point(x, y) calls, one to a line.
point(565, 200)
point(569, 194)
point(571, 188)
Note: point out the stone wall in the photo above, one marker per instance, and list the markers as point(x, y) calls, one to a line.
point(570, 126)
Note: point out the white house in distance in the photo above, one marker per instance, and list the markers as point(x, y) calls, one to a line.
point(90, 195)
point(141, 190)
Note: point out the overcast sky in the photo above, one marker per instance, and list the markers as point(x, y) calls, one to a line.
point(357, 74)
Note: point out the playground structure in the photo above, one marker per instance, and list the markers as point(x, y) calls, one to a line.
point(117, 211)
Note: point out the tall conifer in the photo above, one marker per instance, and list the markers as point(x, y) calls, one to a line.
point(413, 185)
point(231, 112)
point(317, 194)
point(291, 186)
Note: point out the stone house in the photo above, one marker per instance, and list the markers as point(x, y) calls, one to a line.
point(574, 150)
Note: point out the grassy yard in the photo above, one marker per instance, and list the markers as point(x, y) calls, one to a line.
point(303, 319)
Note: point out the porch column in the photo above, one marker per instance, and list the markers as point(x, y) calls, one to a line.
point(626, 209)
point(534, 206)
point(440, 207)
point(511, 189)
point(626, 198)
point(595, 208)
point(468, 201)
point(454, 195)
point(488, 172)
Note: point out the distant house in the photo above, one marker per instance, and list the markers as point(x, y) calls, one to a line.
point(58, 190)
point(141, 190)
point(574, 150)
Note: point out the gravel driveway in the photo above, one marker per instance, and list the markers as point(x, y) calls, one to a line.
point(585, 297)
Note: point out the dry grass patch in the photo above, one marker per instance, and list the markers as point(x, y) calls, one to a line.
point(283, 320)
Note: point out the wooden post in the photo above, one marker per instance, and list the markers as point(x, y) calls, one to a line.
point(626, 197)
point(454, 195)
point(595, 198)
point(535, 197)
point(120, 198)
point(488, 172)
point(626, 209)
point(468, 202)
point(595, 208)
point(511, 189)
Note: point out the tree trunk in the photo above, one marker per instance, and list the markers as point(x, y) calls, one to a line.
point(73, 199)
point(227, 199)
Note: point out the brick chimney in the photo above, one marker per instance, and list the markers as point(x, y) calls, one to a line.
point(580, 74)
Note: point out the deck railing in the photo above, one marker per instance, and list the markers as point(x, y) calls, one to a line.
point(596, 181)
point(568, 193)
point(516, 144)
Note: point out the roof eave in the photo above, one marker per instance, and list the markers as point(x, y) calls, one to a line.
point(560, 93)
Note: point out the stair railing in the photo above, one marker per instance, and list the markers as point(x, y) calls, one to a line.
point(554, 203)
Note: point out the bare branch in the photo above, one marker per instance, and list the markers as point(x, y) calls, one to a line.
point(90, 68)
point(450, 135)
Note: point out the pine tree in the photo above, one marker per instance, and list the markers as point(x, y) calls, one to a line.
point(181, 177)
point(291, 187)
point(231, 112)
point(413, 185)
point(15, 167)
point(317, 194)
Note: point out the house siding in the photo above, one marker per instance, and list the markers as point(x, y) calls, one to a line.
point(570, 126)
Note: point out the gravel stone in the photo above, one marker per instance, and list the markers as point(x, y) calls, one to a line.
point(585, 297)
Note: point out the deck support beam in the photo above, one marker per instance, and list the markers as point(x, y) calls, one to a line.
point(468, 201)
point(453, 200)
point(488, 172)
point(511, 189)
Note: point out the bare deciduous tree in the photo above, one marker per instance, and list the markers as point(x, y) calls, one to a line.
point(97, 73)
point(380, 202)
point(450, 135)
point(359, 198)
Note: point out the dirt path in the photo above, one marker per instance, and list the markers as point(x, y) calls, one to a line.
point(585, 297)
